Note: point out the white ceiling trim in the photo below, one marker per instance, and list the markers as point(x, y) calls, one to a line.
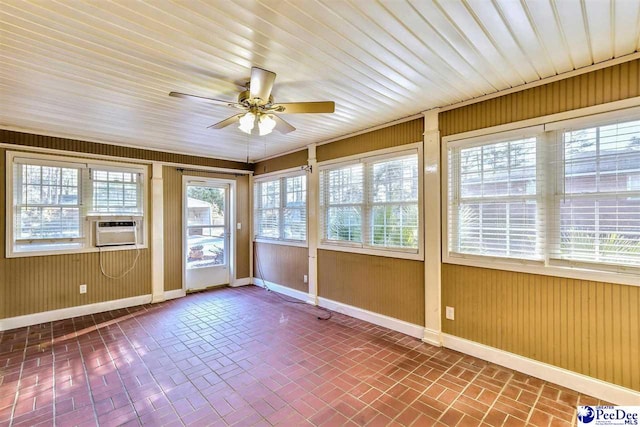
point(546, 80)
point(105, 142)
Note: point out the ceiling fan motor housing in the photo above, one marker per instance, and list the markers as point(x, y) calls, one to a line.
point(244, 98)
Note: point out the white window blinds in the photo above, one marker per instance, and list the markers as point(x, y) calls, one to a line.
point(372, 203)
point(280, 208)
point(393, 203)
point(294, 209)
point(597, 201)
point(493, 200)
point(267, 211)
point(54, 199)
point(342, 200)
point(116, 192)
point(47, 202)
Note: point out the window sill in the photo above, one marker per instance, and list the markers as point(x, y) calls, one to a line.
point(537, 267)
point(281, 242)
point(66, 249)
point(387, 253)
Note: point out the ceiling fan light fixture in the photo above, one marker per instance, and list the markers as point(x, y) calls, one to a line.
point(266, 123)
point(247, 122)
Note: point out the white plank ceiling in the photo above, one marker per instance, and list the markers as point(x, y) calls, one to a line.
point(102, 71)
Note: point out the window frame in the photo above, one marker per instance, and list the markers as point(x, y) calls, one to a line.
point(535, 131)
point(84, 243)
point(366, 159)
point(558, 193)
point(281, 177)
point(549, 129)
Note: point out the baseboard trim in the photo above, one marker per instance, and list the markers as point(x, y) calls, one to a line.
point(433, 337)
point(281, 289)
point(67, 313)
point(312, 299)
point(578, 382)
point(176, 293)
point(241, 282)
point(157, 298)
point(371, 317)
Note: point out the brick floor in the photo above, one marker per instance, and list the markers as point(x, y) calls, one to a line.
point(245, 357)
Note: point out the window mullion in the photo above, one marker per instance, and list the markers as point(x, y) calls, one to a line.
point(366, 223)
point(283, 195)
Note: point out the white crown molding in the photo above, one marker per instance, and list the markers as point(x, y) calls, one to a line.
point(108, 142)
point(544, 81)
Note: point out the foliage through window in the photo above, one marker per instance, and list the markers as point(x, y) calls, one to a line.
point(372, 203)
point(280, 208)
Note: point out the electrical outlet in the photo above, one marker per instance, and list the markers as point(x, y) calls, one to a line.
point(83, 289)
point(450, 313)
point(239, 226)
point(305, 279)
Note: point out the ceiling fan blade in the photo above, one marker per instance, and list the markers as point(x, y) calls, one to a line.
point(282, 126)
point(203, 99)
point(261, 84)
point(226, 122)
point(306, 107)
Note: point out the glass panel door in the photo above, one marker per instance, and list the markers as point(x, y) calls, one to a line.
point(206, 234)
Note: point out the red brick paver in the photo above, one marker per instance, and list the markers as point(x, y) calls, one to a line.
point(245, 357)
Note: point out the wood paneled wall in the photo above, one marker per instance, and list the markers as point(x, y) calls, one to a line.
point(281, 264)
point(172, 198)
point(34, 284)
point(172, 201)
point(284, 265)
point(42, 283)
point(391, 136)
point(390, 286)
point(597, 87)
point(588, 327)
point(41, 141)
point(291, 160)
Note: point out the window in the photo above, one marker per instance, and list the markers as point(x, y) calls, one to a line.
point(281, 208)
point(372, 203)
point(294, 210)
point(558, 196)
point(47, 202)
point(597, 197)
point(343, 192)
point(493, 200)
point(115, 192)
point(54, 196)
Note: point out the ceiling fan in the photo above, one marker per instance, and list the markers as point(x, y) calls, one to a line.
point(257, 104)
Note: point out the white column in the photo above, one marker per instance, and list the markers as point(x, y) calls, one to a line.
point(313, 191)
point(250, 225)
point(157, 234)
point(432, 230)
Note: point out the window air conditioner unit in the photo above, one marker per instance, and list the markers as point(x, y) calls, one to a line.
point(116, 233)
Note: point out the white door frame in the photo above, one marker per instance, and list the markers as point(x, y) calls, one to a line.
point(231, 222)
